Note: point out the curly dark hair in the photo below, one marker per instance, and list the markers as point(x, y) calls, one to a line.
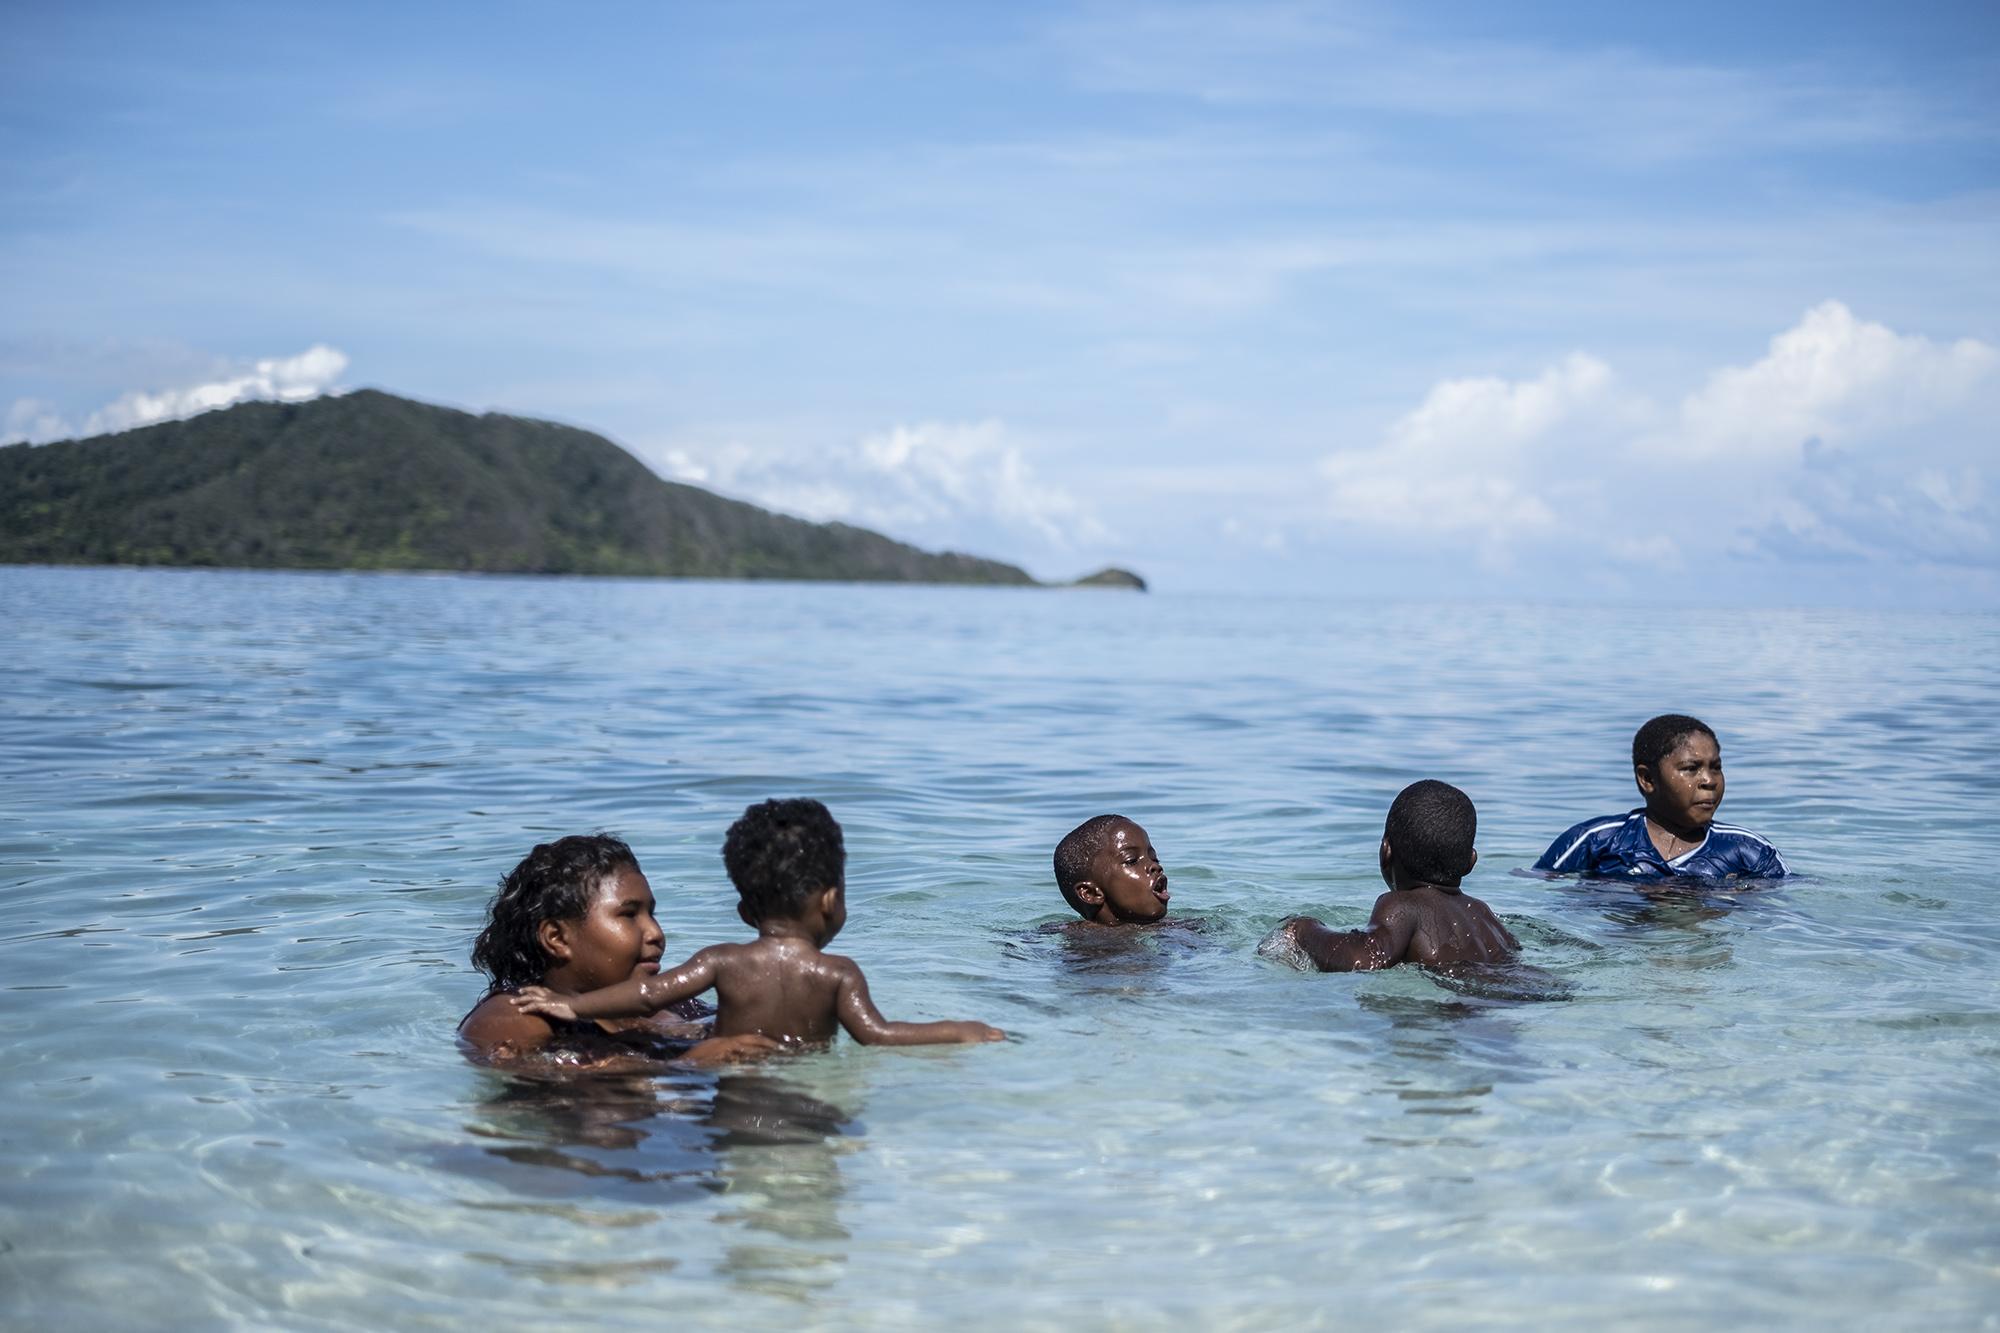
point(1076, 851)
point(553, 883)
point(780, 853)
point(1430, 829)
point(1662, 735)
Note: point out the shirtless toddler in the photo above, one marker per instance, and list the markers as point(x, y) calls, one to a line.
point(789, 865)
point(1424, 918)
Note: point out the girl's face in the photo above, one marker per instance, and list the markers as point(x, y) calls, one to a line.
point(616, 937)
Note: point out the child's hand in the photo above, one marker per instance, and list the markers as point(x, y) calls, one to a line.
point(542, 1001)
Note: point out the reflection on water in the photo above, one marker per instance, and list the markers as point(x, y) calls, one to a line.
point(766, 1149)
point(1088, 947)
point(1084, 959)
point(778, 1153)
point(1450, 1034)
point(1512, 982)
point(627, 1137)
point(1670, 920)
point(1444, 1052)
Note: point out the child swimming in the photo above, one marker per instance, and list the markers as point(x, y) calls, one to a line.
point(1108, 872)
point(789, 865)
point(1424, 918)
point(576, 914)
point(1677, 763)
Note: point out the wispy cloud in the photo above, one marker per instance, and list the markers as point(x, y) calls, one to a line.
point(1603, 101)
point(34, 420)
point(658, 249)
point(967, 485)
point(285, 379)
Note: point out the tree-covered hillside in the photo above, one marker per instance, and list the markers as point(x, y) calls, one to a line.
point(372, 481)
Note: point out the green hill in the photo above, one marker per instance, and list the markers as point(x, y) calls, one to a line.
point(370, 481)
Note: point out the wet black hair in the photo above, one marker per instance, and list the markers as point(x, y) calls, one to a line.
point(553, 883)
point(1662, 735)
point(1074, 854)
point(1430, 829)
point(780, 853)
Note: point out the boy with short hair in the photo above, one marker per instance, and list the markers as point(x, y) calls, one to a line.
point(789, 865)
point(1109, 874)
point(1677, 764)
point(1424, 918)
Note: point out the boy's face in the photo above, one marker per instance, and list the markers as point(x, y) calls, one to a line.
point(1126, 882)
point(1684, 788)
point(616, 937)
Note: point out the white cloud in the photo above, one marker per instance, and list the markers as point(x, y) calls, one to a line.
point(1835, 378)
point(1846, 441)
point(286, 379)
point(960, 484)
point(1490, 413)
point(35, 421)
point(1485, 456)
point(1851, 441)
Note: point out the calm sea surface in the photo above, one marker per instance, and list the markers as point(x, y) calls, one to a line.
point(249, 824)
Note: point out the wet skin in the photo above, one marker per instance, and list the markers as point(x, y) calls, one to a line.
point(1417, 921)
point(779, 986)
point(1127, 886)
point(1682, 793)
point(617, 938)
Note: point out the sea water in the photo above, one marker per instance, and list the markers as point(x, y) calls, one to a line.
point(249, 823)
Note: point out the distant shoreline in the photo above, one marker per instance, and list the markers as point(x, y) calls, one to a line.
point(1077, 585)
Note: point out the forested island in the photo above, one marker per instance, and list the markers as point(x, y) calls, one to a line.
point(367, 480)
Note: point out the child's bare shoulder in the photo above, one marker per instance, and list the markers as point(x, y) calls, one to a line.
point(1392, 904)
point(729, 954)
point(840, 965)
point(1478, 907)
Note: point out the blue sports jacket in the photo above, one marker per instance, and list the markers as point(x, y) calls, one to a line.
point(1618, 846)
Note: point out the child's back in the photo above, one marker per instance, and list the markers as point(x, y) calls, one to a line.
point(1439, 927)
point(784, 987)
point(1424, 918)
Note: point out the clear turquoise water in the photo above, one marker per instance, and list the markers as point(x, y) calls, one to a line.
point(250, 822)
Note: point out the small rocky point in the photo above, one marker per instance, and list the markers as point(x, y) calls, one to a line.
point(1112, 578)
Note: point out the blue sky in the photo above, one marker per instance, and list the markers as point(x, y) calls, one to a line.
point(1684, 304)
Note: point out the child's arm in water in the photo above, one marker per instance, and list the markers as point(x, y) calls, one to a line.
point(628, 999)
point(864, 1022)
point(1382, 944)
point(499, 1034)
